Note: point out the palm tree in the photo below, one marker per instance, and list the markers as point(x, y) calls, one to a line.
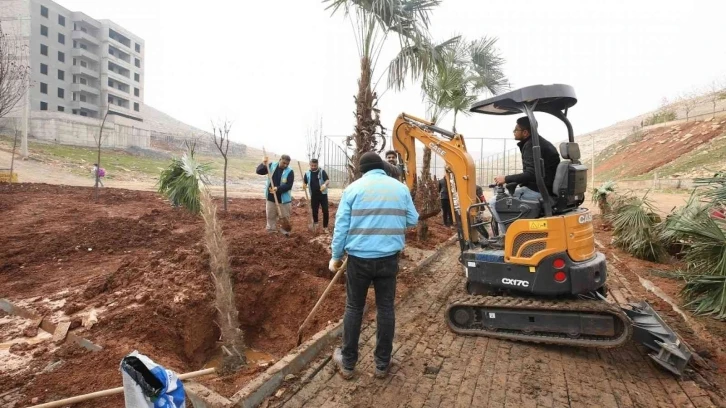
point(374, 22)
point(182, 181)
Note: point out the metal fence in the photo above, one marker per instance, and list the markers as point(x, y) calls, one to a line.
point(335, 155)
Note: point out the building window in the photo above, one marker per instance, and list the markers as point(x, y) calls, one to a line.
point(61, 93)
point(136, 77)
point(84, 113)
point(61, 109)
point(136, 91)
point(43, 31)
point(61, 38)
point(43, 69)
point(61, 75)
point(137, 62)
point(61, 57)
point(74, 98)
point(44, 11)
point(43, 49)
point(136, 106)
point(43, 106)
point(82, 98)
point(74, 61)
point(43, 88)
point(137, 47)
point(61, 20)
point(75, 111)
point(83, 81)
point(84, 64)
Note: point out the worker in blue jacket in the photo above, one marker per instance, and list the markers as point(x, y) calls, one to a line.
point(370, 225)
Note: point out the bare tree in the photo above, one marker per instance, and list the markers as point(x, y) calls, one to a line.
point(689, 101)
point(220, 135)
point(14, 72)
point(98, 158)
point(12, 154)
point(314, 141)
point(714, 94)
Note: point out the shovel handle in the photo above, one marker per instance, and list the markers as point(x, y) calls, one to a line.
point(274, 195)
point(322, 297)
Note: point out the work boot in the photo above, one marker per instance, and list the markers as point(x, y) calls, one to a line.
point(382, 373)
point(315, 227)
point(338, 360)
point(326, 230)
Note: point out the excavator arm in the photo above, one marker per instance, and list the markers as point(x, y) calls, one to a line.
point(460, 169)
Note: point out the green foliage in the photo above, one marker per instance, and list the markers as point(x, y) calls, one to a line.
point(715, 188)
point(662, 116)
point(634, 223)
point(464, 70)
point(179, 182)
point(600, 196)
point(705, 290)
point(703, 237)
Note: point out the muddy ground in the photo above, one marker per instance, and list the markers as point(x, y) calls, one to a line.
point(140, 267)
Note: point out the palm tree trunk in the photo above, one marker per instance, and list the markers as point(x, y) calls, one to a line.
point(367, 117)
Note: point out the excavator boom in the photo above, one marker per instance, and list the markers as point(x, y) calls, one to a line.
point(460, 169)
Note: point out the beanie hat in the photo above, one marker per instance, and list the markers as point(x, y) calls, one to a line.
point(370, 161)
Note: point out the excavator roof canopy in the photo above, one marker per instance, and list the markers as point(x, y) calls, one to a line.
point(549, 98)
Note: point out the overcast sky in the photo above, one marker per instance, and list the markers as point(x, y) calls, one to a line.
point(272, 66)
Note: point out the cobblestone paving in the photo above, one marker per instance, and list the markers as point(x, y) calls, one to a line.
point(436, 368)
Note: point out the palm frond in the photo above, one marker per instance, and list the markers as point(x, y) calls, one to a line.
point(634, 223)
point(417, 56)
point(716, 188)
point(179, 182)
point(706, 295)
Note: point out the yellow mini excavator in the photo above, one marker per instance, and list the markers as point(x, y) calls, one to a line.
point(546, 283)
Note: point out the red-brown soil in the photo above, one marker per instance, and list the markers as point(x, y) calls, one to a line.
point(143, 265)
point(641, 153)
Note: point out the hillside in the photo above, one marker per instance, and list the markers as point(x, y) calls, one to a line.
point(160, 122)
point(688, 149)
point(613, 134)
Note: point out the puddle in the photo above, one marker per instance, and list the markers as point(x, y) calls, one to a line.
point(254, 358)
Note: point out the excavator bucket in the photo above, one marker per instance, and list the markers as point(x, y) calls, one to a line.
point(651, 331)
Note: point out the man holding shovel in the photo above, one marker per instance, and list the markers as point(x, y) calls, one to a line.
point(279, 196)
point(370, 226)
point(317, 180)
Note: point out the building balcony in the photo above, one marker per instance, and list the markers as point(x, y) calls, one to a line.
point(81, 36)
point(118, 77)
point(78, 105)
point(118, 61)
point(79, 70)
point(85, 89)
point(88, 55)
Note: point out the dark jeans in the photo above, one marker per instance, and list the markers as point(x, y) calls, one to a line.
point(446, 212)
point(320, 200)
point(360, 274)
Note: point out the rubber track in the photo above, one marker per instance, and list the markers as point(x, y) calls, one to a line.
point(564, 305)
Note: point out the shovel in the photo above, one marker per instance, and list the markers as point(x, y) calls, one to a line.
point(311, 224)
point(322, 297)
point(284, 222)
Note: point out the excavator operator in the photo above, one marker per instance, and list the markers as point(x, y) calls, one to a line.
point(526, 181)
